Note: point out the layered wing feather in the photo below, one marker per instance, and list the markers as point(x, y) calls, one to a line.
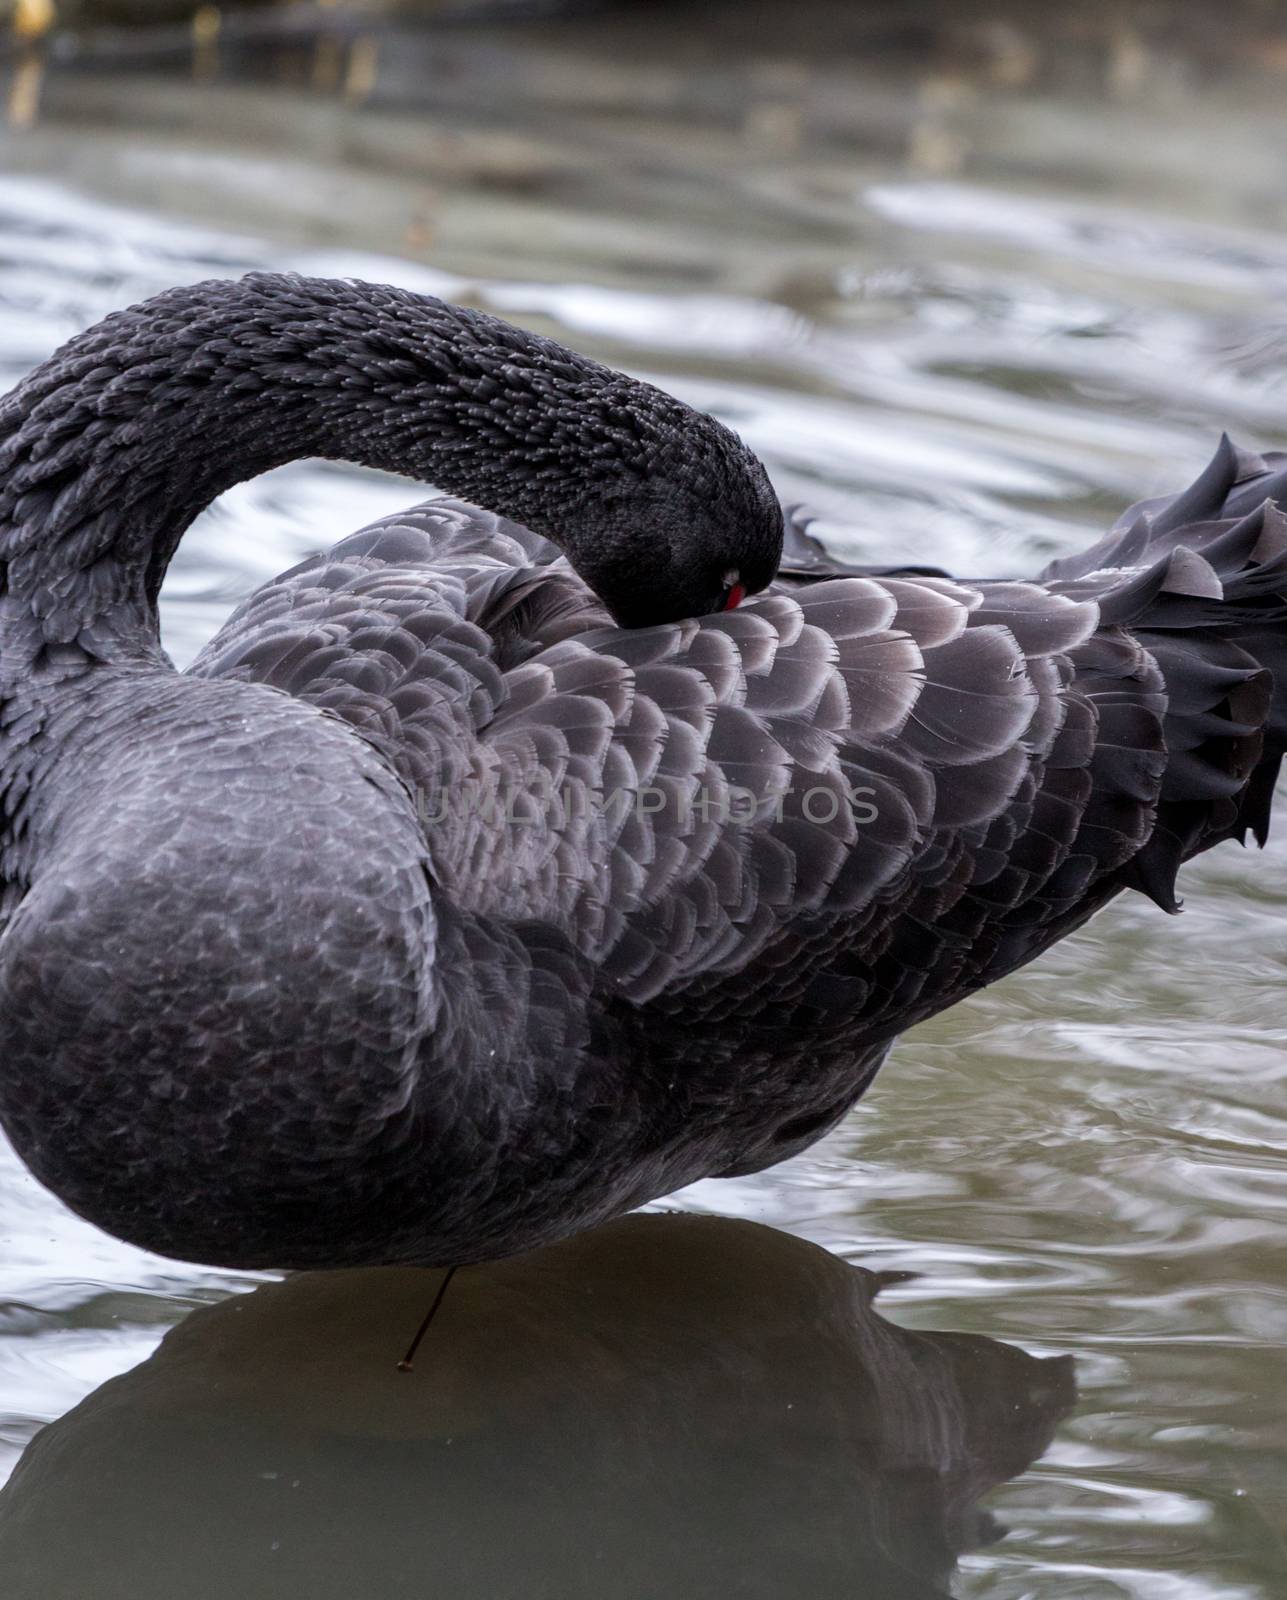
point(840, 807)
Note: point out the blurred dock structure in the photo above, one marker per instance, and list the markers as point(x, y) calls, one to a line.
point(1010, 38)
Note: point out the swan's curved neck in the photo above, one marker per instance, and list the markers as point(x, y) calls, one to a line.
point(111, 448)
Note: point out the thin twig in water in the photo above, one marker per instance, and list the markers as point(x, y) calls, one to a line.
point(405, 1364)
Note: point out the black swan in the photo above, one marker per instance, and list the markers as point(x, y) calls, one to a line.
point(745, 1423)
point(482, 880)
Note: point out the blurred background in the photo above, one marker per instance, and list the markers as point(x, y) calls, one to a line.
point(971, 278)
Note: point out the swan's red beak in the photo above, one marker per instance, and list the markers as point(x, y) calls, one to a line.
point(735, 597)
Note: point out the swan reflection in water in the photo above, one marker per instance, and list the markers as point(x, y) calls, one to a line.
point(669, 1407)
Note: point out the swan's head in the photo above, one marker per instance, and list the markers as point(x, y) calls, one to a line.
point(692, 528)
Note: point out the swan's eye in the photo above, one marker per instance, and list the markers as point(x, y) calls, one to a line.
point(734, 590)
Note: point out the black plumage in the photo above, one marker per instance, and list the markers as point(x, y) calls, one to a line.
point(433, 914)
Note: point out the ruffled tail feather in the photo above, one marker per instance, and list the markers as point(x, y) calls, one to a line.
point(1200, 580)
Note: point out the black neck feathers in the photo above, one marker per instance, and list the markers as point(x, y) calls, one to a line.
point(111, 448)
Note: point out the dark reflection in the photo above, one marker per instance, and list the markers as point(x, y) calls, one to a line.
point(671, 1406)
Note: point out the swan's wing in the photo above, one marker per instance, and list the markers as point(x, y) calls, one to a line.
point(843, 805)
point(683, 803)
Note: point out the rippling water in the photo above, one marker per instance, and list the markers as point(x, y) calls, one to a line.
point(967, 313)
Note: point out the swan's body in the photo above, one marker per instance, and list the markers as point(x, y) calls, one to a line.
point(416, 921)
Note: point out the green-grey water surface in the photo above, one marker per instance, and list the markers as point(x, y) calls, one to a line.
point(969, 290)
